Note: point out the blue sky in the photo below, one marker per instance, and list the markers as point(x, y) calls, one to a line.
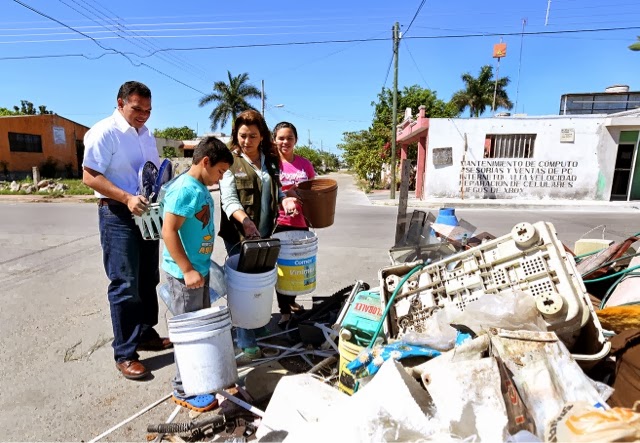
point(326, 88)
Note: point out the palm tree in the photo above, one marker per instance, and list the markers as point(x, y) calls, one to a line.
point(230, 99)
point(635, 46)
point(478, 92)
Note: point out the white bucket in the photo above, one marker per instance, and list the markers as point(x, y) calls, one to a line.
point(250, 296)
point(297, 262)
point(203, 316)
point(204, 352)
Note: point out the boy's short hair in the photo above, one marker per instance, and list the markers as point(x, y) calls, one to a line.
point(214, 149)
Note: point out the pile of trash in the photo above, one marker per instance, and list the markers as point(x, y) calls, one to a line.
point(467, 337)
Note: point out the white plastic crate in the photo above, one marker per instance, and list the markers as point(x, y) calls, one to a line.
point(150, 223)
point(530, 259)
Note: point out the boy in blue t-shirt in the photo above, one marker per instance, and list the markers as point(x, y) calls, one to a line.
point(188, 232)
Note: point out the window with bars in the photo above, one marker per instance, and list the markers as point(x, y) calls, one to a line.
point(24, 142)
point(509, 145)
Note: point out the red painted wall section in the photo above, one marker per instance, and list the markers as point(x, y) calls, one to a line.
point(62, 148)
point(411, 132)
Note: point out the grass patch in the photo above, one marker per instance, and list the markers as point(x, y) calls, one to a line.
point(76, 187)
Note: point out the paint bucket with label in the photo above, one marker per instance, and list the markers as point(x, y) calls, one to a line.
point(203, 349)
point(348, 352)
point(250, 296)
point(297, 262)
point(319, 201)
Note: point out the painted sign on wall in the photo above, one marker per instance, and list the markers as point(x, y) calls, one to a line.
point(567, 135)
point(442, 156)
point(516, 176)
point(59, 137)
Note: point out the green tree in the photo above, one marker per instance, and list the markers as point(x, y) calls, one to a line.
point(635, 46)
point(310, 154)
point(27, 108)
point(5, 112)
point(478, 92)
point(230, 99)
point(331, 161)
point(42, 109)
point(410, 97)
point(318, 158)
point(175, 133)
point(362, 152)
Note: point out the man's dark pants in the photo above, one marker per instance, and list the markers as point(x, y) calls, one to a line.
point(131, 264)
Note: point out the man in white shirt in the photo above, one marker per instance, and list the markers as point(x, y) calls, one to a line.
point(115, 149)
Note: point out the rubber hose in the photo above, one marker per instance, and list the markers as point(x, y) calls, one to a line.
point(170, 428)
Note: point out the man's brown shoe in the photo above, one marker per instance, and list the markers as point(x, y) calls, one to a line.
point(132, 369)
point(156, 344)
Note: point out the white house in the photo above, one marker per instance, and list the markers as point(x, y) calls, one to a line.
point(586, 157)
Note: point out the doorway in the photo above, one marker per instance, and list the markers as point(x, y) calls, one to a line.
point(79, 155)
point(626, 175)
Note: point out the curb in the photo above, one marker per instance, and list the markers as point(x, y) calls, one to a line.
point(627, 207)
point(43, 198)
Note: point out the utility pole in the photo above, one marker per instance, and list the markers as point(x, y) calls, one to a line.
point(262, 96)
point(524, 23)
point(309, 133)
point(394, 118)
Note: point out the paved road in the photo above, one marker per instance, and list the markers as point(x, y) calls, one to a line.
point(53, 298)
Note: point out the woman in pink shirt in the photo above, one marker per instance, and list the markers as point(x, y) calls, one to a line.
point(293, 170)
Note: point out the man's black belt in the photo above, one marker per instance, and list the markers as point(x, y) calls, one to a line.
point(109, 202)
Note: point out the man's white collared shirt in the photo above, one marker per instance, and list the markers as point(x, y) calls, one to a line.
point(116, 150)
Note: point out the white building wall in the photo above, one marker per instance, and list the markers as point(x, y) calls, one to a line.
point(582, 169)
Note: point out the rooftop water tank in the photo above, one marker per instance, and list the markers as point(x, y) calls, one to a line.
point(617, 88)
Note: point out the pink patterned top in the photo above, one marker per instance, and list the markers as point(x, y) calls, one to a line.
point(299, 170)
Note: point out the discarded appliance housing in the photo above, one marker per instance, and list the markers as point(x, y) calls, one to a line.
point(530, 259)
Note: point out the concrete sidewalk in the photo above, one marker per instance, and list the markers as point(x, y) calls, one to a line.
point(381, 198)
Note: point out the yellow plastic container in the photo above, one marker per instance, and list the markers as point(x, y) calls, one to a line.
point(348, 352)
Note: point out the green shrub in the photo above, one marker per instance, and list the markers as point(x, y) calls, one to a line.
point(48, 168)
point(4, 165)
point(169, 152)
point(69, 170)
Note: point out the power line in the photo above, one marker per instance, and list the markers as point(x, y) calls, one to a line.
point(90, 29)
point(386, 77)
point(178, 36)
point(322, 42)
point(416, 65)
point(105, 48)
point(115, 31)
point(322, 118)
point(451, 36)
point(320, 58)
point(415, 15)
point(169, 57)
point(135, 35)
point(332, 20)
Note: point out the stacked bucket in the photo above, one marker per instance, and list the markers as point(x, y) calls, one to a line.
point(203, 349)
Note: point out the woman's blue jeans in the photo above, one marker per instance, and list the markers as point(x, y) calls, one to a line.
point(131, 264)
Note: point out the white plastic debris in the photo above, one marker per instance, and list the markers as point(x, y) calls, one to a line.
point(467, 397)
